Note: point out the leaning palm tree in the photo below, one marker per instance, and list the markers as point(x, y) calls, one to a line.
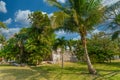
point(80, 16)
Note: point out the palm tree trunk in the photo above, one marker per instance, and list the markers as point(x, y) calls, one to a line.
point(90, 66)
point(62, 61)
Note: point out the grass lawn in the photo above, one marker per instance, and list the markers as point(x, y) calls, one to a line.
point(71, 71)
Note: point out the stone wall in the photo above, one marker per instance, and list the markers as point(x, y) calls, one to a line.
point(67, 56)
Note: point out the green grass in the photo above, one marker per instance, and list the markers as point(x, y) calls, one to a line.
point(71, 71)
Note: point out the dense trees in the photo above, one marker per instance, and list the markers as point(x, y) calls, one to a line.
point(33, 44)
point(100, 47)
point(41, 37)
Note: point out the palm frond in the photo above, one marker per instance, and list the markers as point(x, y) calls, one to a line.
point(2, 25)
point(2, 38)
point(57, 19)
point(58, 5)
point(112, 7)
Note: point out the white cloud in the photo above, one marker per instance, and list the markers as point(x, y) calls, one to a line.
point(96, 31)
point(8, 21)
point(3, 7)
point(9, 32)
point(76, 38)
point(44, 13)
point(61, 32)
point(61, 1)
point(21, 16)
point(49, 15)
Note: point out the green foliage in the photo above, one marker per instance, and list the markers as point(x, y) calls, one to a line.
point(101, 48)
point(83, 16)
point(79, 51)
point(2, 25)
point(2, 39)
point(33, 44)
point(41, 38)
point(39, 20)
point(60, 43)
point(10, 50)
point(116, 35)
point(78, 14)
point(71, 71)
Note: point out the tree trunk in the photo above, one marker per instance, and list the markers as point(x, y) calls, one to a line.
point(21, 52)
point(90, 66)
point(62, 60)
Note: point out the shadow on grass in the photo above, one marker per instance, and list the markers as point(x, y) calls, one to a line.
point(15, 74)
point(5, 65)
point(107, 70)
point(81, 70)
point(22, 74)
point(58, 72)
point(108, 74)
point(112, 64)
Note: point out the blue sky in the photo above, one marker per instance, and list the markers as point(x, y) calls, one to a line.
point(15, 14)
point(18, 9)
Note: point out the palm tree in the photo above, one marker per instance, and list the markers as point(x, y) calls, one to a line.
point(60, 43)
point(21, 38)
point(82, 16)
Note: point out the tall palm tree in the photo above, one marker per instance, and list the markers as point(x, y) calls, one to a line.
point(82, 16)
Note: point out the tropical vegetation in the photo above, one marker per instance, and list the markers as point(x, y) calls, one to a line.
point(35, 44)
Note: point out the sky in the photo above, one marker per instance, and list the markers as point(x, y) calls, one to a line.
point(14, 13)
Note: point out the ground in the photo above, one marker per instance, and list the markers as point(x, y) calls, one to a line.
point(71, 71)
